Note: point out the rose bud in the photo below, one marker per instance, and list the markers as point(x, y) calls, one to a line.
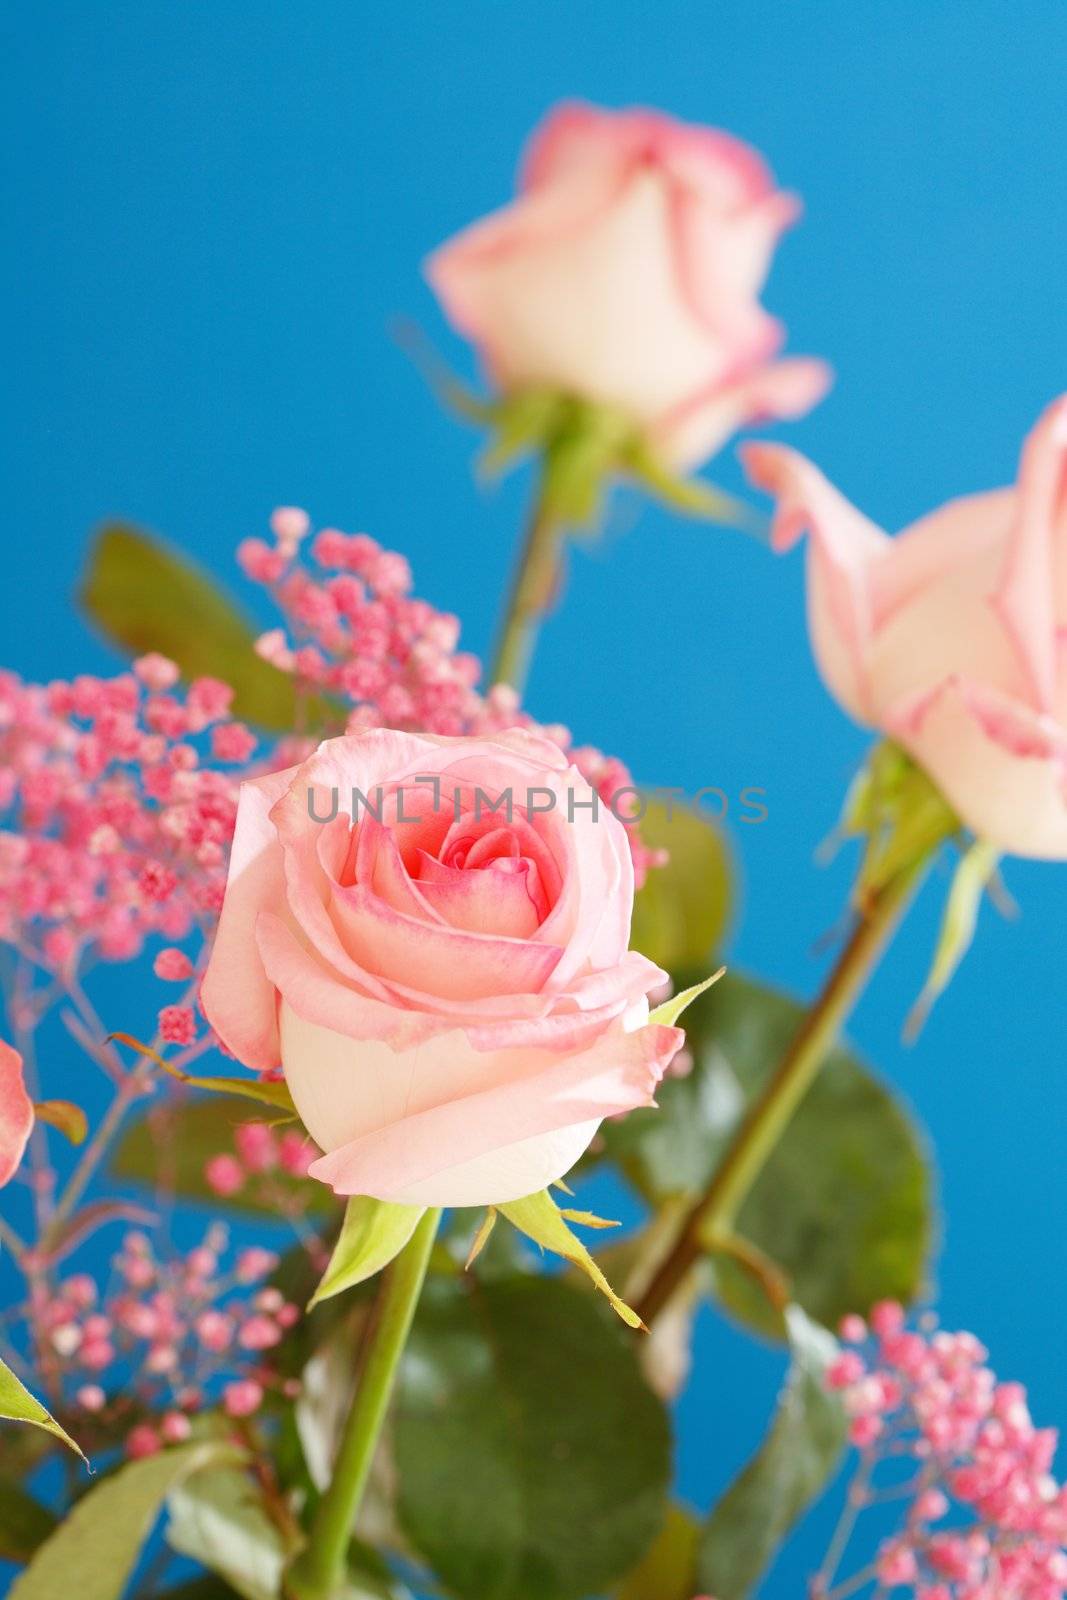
point(949, 638)
point(627, 272)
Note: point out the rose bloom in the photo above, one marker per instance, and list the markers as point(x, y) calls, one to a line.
point(949, 637)
point(448, 988)
point(16, 1112)
point(627, 271)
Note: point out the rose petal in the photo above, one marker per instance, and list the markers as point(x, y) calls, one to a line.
point(437, 959)
point(16, 1112)
point(237, 997)
point(417, 1123)
point(495, 899)
point(697, 429)
point(1001, 765)
point(1026, 597)
point(844, 547)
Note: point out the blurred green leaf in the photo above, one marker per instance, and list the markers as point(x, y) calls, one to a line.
point(17, 1404)
point(170, 1145)
point(94, 1550)
point(843, 1206)
point(70, 1119)
point(218, 1519)
point(23, 1449)
point(145, 596)
point(327, 1383)
point(24, 1522)
point(372, 1234)
point(208, 1586)
point(792, 1466)
point(681, 911)
point(532, 1459)
point(667, 1570)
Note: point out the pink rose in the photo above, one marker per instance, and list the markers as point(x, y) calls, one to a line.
point(627, 272)
point(950, 637)
point(447, 987)
point(16, 1112)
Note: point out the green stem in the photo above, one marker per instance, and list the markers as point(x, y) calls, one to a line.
point(318, 1572)
point(532, 589)
point(771, 1113)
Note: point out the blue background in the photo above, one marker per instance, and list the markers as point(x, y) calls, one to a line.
point(216, 211)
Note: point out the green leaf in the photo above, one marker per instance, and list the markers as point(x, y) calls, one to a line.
point(372, 1234)
point(532, 1460)
point(24, 1522)
point(666, 1572)
point(848, 1137)
point(681, 911)
point(177, 1141)
point(218, 1519)
point(790, 1469)
point(541, 1220)
point(145, 596)
point(17, 1404)
point(95, 1549)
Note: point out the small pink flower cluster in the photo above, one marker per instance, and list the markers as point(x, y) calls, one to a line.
point(353, 631)
point(167, 1340)
point(925, 1398)
point(259, 1157)
point(112, 828)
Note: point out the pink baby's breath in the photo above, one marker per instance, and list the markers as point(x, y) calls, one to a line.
point(983, 1519)
point(114, 830)
point(177, 1335)
point(354, 631)
point(177, 1025)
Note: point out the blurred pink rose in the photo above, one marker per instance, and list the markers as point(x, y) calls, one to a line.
point(447, 987)
point(16, 1112)
point(627, 272)
point(950, 637)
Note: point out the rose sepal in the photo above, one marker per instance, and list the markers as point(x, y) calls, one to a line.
point(372, 1235)
point(540, 1219)
point(583, 445)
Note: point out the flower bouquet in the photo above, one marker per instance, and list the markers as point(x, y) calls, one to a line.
point(306, 1292)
